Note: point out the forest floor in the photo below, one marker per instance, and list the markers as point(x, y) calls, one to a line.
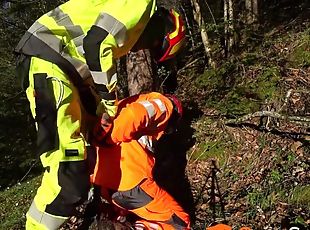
point(263, 161)
point(263, 185)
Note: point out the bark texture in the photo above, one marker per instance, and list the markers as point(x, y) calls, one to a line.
point(141, 71)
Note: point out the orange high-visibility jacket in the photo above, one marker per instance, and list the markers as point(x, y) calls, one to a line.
point(128, 164)
point(141, 120)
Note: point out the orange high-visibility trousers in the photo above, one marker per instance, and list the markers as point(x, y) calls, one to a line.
point(126, 169)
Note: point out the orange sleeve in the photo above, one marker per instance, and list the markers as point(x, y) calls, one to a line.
point(146, 115)
point(130, 122)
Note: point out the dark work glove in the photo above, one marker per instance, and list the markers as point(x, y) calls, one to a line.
point(102, 131)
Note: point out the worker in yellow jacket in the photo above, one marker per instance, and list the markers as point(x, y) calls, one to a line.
point(126, 159)
point(67, 59)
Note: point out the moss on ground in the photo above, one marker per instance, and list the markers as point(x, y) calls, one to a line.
point(301, 196)
point(235, 95)
point(300, 55)
point(14, 203)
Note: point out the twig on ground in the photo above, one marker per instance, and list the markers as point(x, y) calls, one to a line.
point(188, 65)
point(297, 119)
point(192, 153)
point(287, 96)
point(14, 96)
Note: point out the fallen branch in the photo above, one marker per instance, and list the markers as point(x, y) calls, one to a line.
point(298, 119)
point(188, 27)
point(13, 97)
point(188, 65)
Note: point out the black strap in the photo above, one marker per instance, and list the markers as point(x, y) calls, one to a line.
point(46, 114)
point(91, 45)
point(132, 199)
point(22, 69)
point(176, 222)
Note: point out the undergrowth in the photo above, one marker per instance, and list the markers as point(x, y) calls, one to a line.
point(263, 173)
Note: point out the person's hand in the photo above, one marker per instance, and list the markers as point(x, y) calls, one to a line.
point(107, 106)
point(102, 130)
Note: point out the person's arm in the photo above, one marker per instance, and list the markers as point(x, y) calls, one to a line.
point(117, 26)
point(140, 118)
point(98, 47)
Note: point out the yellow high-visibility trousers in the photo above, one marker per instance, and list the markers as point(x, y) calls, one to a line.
point(57, 110)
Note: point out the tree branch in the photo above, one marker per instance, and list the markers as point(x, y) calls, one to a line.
point(298, 119)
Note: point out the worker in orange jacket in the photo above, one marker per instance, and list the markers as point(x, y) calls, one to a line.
point(124, 166)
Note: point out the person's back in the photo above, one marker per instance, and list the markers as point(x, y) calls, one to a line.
point(83, 38)
point(132, 153)
point(71, 21)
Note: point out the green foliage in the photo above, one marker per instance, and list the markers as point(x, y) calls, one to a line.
point(250, 58)
point(267, 83)
point(263, 197)
point(262, 200)
point(16, 142)
point(213, 143)
point(275, 176)
point(214, 28)
point(290, 158)
point(300, 56)
point(238, 102)
point(208, 150)
point(234, 95)
point(17, 130)
point(301, 221)
point(301, 195)
point(262, 142)
point(239, 85)
point(258, 198)
point(223, 93)
point(214, 80)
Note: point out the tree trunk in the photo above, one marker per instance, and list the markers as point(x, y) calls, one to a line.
point(226, 45)
point(252, 11)
point(141, 71)
point(229, 25)
point(231, 22)
point(204, 36)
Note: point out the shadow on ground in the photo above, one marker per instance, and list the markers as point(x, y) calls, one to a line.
point(169, 170)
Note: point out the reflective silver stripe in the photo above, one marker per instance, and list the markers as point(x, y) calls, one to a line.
point(105, 78)
point(80, 66)
point(161, 105)
point(99, 77)
point(60, 17)
point(79, 44)
point(61, 89)
point(75, 31)
point(149, 108)
point(45, 35)
point(113, 78)
point(38, 31)
point(63, 19)
point(49, 221)
point(146, 142)
point(113, 26)
point(154, 226)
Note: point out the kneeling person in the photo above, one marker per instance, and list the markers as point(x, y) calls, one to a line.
point(124, 166)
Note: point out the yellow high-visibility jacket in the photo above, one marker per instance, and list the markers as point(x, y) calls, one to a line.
point(84, 37)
